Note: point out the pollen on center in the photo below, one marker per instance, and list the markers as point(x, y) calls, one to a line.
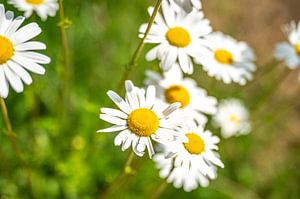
point(6, 49)
point(143, 122)
point(224, 56)
point(177, 93)
point(195, 144)
point(297, 48)
point(178, 37)
point(35, 2)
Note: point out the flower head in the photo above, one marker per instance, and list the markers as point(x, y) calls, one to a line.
point(178, 36)
point(227, 59)
point(174, 87)
point(140, 120)
point(17, 55)
point(289, 52)
point(233, 118)
point(192, 163)
point(43, 8)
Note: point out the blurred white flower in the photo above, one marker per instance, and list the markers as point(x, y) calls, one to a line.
point(233, 118)
point(187, 5)
point(178, 36)
point(289, 52)
point(43, 8)
point(140, 120)
point(191, 163)
point(227, 59)
point(16, 52)
point(173, 87)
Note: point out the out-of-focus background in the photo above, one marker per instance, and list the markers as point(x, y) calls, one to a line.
point(63, 155)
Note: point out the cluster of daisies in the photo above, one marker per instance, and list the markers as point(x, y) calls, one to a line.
point(172, 110)
point(17, 50)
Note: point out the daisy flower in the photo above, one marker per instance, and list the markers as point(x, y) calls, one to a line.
point(289, 52)
point(187, 5)
point(192, 163)
point(43, 8)
point(233, 118)
point(227, 59)
point(17, 55)
point(173, 87)
point(140, 120)
point(178, 36)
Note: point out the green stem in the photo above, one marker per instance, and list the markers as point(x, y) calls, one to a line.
point(126, 170)
point(276, 84)
point(137, 53)
point(13, 141)
point(9, 130)
point(159, 190)
point(65, 70)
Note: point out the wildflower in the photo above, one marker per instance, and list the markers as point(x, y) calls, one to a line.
point(233, 118)
point(227, 59)
point(289, 51)
point(192, 163)
point(16, 52)
point(43, 8)
point(178, 36)
point(140, 120)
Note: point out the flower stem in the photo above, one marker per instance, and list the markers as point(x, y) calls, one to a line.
point(159, 190)
point(65, 70)
point(276, 84)
point(137, 53)
point(126, 170)
point(9, 131)
point(12, 138)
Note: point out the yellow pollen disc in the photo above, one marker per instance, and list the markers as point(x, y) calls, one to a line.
point(178, 37)
point(35, 2)
point(297, 48)
point(177, 93)
point(143, 122)
point(6, 49)
point(234, 119)
point(195, 145)
point(223, 56)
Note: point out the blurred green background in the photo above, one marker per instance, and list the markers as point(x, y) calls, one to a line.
point(66, 158)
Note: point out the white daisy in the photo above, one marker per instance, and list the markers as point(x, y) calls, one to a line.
point(227, 59)
point(43, 8)
point(192, 163)
point(187, 5)
point(289, 52)
point(173, 87)
point(233, 118)
point(178, 36)
point(17, 52)
point(140, 120)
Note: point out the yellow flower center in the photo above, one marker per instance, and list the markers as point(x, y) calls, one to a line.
point(234, 119)
point(6, 49)
point(143, 122)
point(177, 93)
point(178, 37)
point(223, 56)
point(35, 2)
point(297, 48)
point(195, 144)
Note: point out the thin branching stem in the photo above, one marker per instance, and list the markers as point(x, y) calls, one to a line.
point(137, 53)
point(126, 170)
point(65, 70)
